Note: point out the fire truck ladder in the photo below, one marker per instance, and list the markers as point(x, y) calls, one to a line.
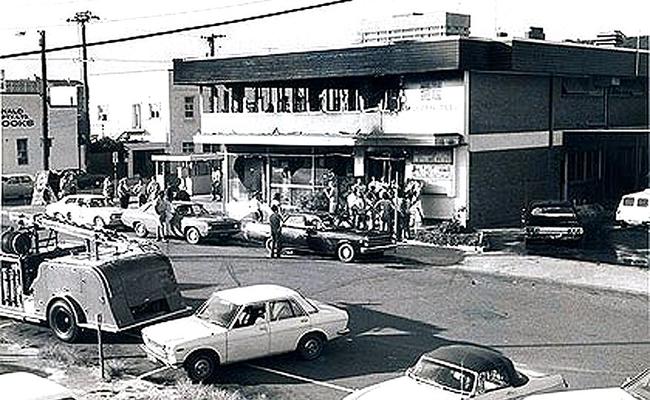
point(92, 236)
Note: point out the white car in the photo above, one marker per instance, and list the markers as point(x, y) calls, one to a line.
point(27, 386)
point(244, 323)
point(458, 372)
point(89, 209)
point(637, 388)
point(634, 209)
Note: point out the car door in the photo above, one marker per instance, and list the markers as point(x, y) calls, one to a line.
point(288, 322)
point(148, 217)
point(294, 232)
point(249, 335)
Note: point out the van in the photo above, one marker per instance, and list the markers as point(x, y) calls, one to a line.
point(634, 209)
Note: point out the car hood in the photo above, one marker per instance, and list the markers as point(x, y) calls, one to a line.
point(405, 388)
point(181, 330)
point(588, 394)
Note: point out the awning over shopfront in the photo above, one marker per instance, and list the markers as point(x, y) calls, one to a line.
point(342, 139)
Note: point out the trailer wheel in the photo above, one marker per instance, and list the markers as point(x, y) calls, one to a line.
point(62, 321)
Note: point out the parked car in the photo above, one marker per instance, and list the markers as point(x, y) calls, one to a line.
point(28, 386)
point(17, 186)
point(314, 234)
point(634, 209)
point(190, 221)
point(85, 180)
point(637, 388)
point(552, 221)
point(86, 209)
point(244, 323)
point(461, 372)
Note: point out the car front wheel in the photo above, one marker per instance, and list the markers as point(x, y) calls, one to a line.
point(201, 367)
point(346, 252)
point(140, 230)
point(310, 347)
point(192, 236)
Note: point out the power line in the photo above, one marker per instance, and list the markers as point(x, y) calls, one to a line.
point(178, 30)
point(172, 14)
point(135, 71)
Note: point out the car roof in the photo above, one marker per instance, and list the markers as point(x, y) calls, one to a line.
point(16, 175)
point(28, 386)
point(255, 293)
point(475, 358)
point(645, 192)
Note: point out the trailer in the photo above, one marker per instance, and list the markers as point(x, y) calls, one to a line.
point(107, 281)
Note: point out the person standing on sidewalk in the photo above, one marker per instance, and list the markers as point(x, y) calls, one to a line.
point(123, 193)
point(275, 220)
point(108, 190)
point(164, 211)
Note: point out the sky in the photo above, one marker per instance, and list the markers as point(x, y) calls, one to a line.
point(335, 26)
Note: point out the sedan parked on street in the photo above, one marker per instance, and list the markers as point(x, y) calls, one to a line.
point(244, 323)
point(90, 209)
point(461, 372)
point(190, 221)
point(552, 221)
point(17, 186)
point(310, 233)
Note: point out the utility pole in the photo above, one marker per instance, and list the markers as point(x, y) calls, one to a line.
point(82, 18)
point(44, 98)
point(210, 39)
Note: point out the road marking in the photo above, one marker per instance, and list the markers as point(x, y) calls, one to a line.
point(303, 379)
point(153, 372)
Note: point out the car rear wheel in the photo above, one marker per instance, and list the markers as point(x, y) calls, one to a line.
point(140, 230)
point(99, 222)
point(269, 245)
point(201, 367)
point(346, 252)
point(192, 235)
point(311, 346)
point(62, 321)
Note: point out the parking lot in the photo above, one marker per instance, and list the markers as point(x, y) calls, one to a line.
point(400, 307)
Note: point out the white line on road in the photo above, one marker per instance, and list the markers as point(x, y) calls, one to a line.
point(302, 378)
point(153, 372)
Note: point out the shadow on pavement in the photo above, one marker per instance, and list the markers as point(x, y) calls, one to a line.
point(378, 343)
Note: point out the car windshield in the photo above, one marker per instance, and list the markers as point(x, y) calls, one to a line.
point(443, 376)
point(96, 202)
point(553, 211)
point(191, 210)
point(639, 387)
point(218, 311)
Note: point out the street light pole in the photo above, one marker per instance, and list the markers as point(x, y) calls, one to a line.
point(82, 18)
point(45, 101)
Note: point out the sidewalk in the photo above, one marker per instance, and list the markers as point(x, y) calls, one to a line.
point(602, 276)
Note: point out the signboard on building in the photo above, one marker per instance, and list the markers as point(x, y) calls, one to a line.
point(16, 118)
point(434, 167)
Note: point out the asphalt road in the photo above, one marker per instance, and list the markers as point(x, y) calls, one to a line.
point(400, 307)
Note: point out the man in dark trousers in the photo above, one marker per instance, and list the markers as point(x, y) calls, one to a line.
point(275, 220)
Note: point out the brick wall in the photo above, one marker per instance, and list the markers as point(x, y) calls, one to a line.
point(502, 182)
point(502, 102)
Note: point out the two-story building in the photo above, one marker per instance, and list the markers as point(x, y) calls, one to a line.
point(147, 112)
point(21, 125)
point(483, 124)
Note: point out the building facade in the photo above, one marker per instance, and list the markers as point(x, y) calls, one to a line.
point(22, 116)
point(148, 113)
point(482, 124)
point(415, 26)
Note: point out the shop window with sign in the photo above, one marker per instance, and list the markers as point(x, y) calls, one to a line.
point(189, 107)
point(435, 168)
point(22, 154)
